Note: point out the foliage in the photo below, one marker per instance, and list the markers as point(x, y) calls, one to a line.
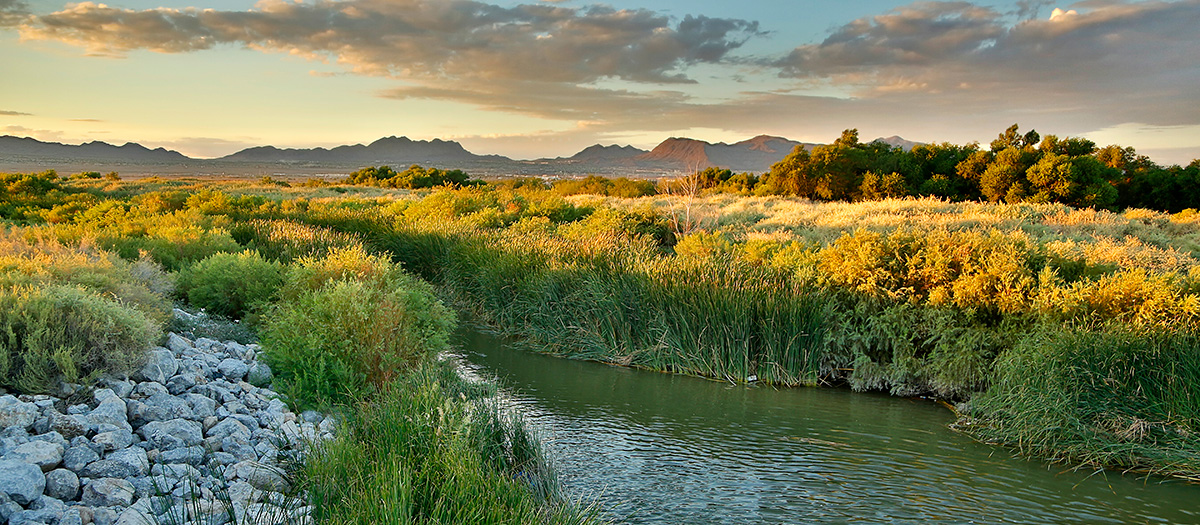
point(1098, 396)
point(433, 449)
point(231, 284)
point(415, 177)
point(595, 185)
point(57, 333)
point(350, 323)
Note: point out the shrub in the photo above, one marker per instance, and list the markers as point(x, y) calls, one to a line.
point(58, 332)
point(231, 284)
point(347, 337)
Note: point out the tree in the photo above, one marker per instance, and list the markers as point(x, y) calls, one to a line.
point(1004, 178)
point(880, 186)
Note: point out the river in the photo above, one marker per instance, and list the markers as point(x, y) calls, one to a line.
point(646, 447)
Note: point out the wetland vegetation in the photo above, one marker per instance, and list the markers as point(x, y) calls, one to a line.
point(1068, 333)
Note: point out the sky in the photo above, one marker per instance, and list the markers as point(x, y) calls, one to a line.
point(541, 78)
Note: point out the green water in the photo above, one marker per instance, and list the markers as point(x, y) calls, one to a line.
point(656, 448)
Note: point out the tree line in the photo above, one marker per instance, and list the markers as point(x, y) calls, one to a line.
point(1015, 167)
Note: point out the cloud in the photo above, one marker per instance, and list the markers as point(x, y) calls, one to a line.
point(14, 113)
point(13, 12)
point(85, 120)
point(423, 40)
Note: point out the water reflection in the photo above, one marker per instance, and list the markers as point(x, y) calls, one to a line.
point(657, 448)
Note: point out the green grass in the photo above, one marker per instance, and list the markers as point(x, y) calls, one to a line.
point(433, 449)
point(1098, 397)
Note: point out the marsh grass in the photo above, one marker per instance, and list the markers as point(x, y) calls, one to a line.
point(1098, 397)
point(431, 449)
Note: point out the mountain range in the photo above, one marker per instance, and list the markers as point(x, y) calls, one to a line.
point(672, 155)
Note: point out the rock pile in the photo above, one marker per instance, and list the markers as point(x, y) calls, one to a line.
point(195, 436)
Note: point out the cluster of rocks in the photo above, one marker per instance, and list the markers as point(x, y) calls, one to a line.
point(195, 437)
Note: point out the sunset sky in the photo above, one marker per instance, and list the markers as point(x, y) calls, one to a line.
point(546, 78)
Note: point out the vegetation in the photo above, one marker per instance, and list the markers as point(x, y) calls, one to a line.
point(1059, 327)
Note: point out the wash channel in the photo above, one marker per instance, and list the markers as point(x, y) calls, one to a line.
point(647, 447)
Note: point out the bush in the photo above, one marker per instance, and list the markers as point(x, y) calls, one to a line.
point(348, 336)
point(57, 332)
point(231, 284)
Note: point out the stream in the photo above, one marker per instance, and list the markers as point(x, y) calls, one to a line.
point(646, 447)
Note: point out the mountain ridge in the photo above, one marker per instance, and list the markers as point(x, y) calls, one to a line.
point(755, 154)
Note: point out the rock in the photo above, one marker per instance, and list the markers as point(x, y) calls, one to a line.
point(150, 389)
point(69, 426)
point(50, 437)
point(261, 476)
point(225, 459)
point(203, 407)
point(72, 516)
point(138, 514)
point(77, 457)
point(113, 439)
point(233, 369)
point(159, 407)
point(110, 411)
point(311, 416)
point(62, 484)
point(190, 455)
point(126, 463)
point(229, 426)
point(8, 507)
point(177, 471)
point(183, 382)
point(176, 433)
point(23, 482)
point(239, 448)
point(16, 413)
point(47, 456)
point(121, 387)
point(108, 492)
point(160, 365)
point(178, 343)
point(104, 516)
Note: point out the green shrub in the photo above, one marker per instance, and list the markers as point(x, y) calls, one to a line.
point(57, 332)
point(346, 338)
point(231, 284)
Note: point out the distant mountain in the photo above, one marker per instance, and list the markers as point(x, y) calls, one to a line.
point(387, 150)
point(128, 152)
point(672, 155)
point(598, 153)
point(896, 140)
point(756, 154)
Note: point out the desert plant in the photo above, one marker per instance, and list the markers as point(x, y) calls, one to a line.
point(231, 284)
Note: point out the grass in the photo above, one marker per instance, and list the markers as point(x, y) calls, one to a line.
point(1098, 397)
point(433, 449)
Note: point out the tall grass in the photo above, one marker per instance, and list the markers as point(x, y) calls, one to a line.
point(414, 455)
point(1099, 397)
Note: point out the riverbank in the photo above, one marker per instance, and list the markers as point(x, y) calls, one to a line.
point(194, 434)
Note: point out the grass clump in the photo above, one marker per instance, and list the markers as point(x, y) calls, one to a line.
point(432, 449)
point(231, 284)
point(1099, 397)
point(65, 333)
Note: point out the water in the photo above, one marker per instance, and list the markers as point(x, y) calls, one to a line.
point(655, 448)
